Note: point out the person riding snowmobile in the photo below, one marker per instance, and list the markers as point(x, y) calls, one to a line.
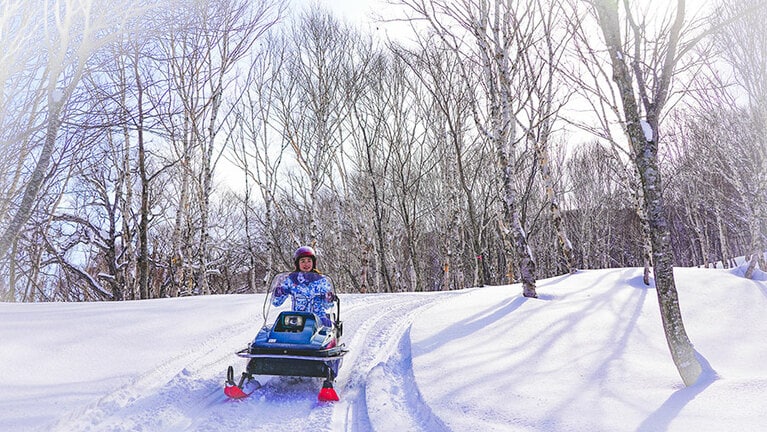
point(308, 288)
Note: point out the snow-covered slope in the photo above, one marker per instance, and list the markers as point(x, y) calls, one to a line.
point(588, 355)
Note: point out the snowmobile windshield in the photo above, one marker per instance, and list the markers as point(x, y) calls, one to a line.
point(299, 291)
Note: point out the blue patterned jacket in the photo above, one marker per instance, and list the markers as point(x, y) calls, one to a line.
point(310, 291)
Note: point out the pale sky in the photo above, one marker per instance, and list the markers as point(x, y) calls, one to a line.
point(362, 12)
point(359, 13)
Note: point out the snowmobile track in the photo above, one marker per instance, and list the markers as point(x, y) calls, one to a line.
point(375, 347)
point(165, 380)
point(184, 393)
point(392, 389)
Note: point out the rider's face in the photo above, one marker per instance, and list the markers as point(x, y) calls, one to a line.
point(305, 264)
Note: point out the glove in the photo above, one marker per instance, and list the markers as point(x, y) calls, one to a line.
point(330, 297)
point(279, 291)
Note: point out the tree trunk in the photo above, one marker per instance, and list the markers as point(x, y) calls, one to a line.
point(756, 249)
point(698, 252)
point(645, 155)
point(565, 246)
point(724, 253)
point(378, 219)
point(644, 226)
point(126, 206)
point(671, 316)
point(178, 262)
point(142, 260)
point(480, 278)
point(10, 295)
point(502, 121)
point(26, 207)
point(512, 222)
point(367, 248)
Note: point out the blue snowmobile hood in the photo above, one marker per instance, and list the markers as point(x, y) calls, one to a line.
point(294, 331)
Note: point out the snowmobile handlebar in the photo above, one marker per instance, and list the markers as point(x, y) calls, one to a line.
point(338, 307)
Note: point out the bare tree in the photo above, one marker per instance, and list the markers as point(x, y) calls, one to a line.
point(592, 82)
point(259, 149)
point(440, 73)
point(546, 99)
point(360, 248)
point(723, 158)
point(596, 203)
point(211, 40)
point(313, 104)
point(74, 32)
point(371, 160)
point(20, 101)
point(412, 162)
point(743, 46)
point(651, 81)
point(705, 142)
point(500, 33)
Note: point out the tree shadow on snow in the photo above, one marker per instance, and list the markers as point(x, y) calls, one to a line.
point(476, 323)
point(662, 417)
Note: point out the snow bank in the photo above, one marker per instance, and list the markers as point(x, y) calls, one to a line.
point(590, 355)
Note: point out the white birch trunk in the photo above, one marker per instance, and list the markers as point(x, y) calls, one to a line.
point(645, 155)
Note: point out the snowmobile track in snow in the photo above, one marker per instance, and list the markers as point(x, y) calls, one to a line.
point(392, 389)
point(378, 368)
point(164, 383)
point(185, 392)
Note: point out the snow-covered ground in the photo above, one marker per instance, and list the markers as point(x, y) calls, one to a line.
point(588, 355)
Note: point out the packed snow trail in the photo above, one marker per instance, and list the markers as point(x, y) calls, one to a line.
point(185, 392)
point(396, 401)
point(165, 398)
point(375, 345)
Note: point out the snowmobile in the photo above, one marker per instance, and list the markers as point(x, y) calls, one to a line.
point(296, 343)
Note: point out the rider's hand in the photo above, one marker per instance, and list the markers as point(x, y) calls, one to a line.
point(279, 291)
point(330, 297)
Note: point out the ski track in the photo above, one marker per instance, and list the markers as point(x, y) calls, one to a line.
point(185, 393)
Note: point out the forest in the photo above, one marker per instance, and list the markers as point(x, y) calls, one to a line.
point(188, 147)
